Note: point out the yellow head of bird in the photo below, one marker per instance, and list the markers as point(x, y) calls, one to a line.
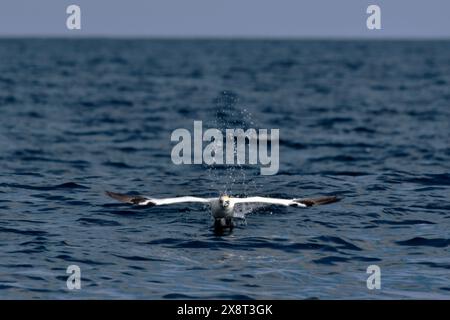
point(224, 201)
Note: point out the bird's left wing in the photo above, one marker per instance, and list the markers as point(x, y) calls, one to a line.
point(282, 202)
point(147, 201)
point(306, 202)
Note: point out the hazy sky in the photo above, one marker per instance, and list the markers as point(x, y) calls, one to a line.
point(227, 18)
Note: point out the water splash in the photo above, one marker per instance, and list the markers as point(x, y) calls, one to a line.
point(231, 179)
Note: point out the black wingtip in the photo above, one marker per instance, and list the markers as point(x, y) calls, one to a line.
point(318, 201)
point(109, 193)
point(126, 198)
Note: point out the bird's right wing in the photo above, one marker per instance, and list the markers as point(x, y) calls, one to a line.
point(306, 202)
point(147, 201)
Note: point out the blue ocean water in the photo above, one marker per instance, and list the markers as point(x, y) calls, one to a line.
point(367, 121)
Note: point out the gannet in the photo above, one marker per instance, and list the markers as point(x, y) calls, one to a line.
point(222, 208)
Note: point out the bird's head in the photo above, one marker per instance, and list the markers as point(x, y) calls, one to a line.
point(224, 201)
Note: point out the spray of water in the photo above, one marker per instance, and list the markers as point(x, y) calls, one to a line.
point(233, 179)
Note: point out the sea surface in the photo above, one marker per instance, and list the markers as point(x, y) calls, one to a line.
point(367, 121)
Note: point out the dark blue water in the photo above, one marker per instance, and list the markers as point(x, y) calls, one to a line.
point(368, 121)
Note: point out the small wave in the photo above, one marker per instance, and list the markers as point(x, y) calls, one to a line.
point(66, 257)
point(179, 296)
point(345, 173)
point(427, 180)
point(137, 258)
point(24, 232)
point(419, 241)
point(120, 165)
point(332, 260)
point(67, 185)
point(100, 222)
point(403, 222)
point(341, 242)
point(436, 265)
point(339, 158)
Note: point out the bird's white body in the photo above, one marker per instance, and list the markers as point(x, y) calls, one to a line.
point(218, 211)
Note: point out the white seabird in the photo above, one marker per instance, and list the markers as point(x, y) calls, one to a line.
point(222, 208)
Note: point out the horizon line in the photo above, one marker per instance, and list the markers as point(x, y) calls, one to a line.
point(222, 37)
